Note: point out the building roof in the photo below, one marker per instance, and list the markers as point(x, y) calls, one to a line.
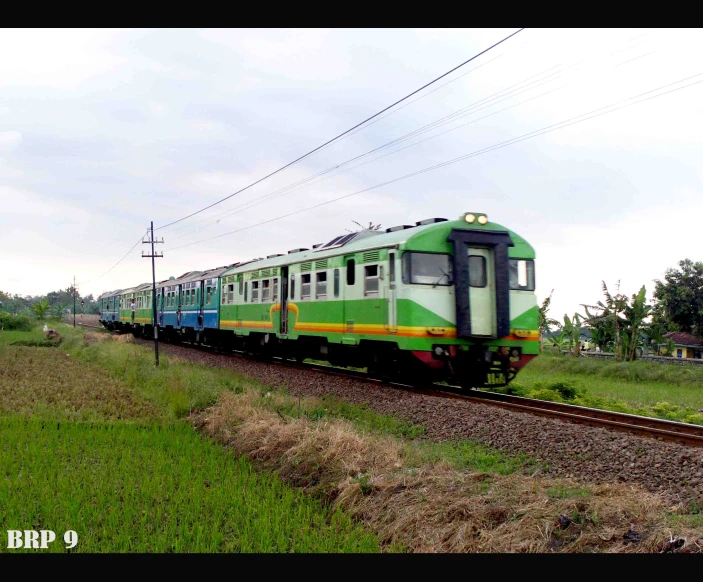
point(681, 338)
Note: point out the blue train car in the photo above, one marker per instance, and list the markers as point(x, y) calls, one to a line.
point(188, 306)
point(109, 308)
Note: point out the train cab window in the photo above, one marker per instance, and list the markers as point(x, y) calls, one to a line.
point(321, 286)
point(305, 286)
point(265, 290)
point(371, 282)
point(351, 265)
point(426, 269)
point(477, 271)
point(254, 291)
point(336, 282)
point(522, 274)
point(292, 287)
point(275, 290)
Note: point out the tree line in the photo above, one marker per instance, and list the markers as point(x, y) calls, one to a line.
point(630, 326)
point(53, 304)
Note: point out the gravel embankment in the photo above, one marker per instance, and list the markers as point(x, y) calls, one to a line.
point(594, 455)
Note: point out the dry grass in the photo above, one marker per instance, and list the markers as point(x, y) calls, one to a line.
point(435, 508)
point(91, 338)
point(51, 380)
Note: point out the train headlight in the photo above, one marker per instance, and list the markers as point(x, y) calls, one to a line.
point(483, 219)
point(470, 218)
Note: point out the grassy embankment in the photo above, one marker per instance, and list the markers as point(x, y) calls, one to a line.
point(132, 476)
point(644, 388)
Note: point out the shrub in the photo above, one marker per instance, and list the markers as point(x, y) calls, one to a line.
point(15, 322)
point(565, 389)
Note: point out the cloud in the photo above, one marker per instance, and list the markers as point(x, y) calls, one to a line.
point(9, 140)
point(58, 58)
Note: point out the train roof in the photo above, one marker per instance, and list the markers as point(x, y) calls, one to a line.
point(369, 239)
point(195, 276)
point(345, 244)
point(110, 293)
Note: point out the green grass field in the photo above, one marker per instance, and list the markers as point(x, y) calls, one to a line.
point(660, 390)
point(9, 337)
point(82, 451)
point(154, 488)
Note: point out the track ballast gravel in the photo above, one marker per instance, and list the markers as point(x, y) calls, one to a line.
point(594, 455)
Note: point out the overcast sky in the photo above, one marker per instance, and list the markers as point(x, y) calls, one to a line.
point(103, 131)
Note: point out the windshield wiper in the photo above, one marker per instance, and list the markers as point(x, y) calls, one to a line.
point(441, 277)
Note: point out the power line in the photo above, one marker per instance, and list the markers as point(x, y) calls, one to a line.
point(122, 259)
point(486, 102)
point(344, 133)
point(479, 105)
point(547, 129)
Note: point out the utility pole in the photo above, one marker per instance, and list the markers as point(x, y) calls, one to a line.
point(153, 256)
point(74, 301)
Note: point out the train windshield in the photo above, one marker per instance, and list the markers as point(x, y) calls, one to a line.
point(427, 269)
point(522, 275)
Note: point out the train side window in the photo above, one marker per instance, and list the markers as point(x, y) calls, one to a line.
point(292, 287)
point(241, 286)
point(321, 286)
point(265, 290)
point(371, 283)
point(230, 293)
point(477, 271)
point(275, 290)
point(351, 264)
point(246, 285)
point(391, 268)
point(254, 291)
point(336, 282)
point(521, 274)
point(305, 286)
point(208, 296)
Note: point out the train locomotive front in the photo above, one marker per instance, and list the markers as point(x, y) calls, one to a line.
point(469, 286)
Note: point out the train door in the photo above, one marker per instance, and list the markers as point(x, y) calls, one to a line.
point(349, 280)
point(389, 282)
point(482, 291)
point(178, 305)
point(284, 301)
point(201, 302)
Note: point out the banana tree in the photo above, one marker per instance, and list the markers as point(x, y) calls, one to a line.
point(572, 332)
point(40, 308)
point(545, 322)
point(622, 320)
point(635, 315)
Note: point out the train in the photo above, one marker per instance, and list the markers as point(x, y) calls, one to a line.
point(439, 300)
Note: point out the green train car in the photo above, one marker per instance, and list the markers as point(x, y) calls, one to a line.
point(437, 300)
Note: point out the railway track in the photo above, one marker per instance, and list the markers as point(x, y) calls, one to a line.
point(682, 433)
